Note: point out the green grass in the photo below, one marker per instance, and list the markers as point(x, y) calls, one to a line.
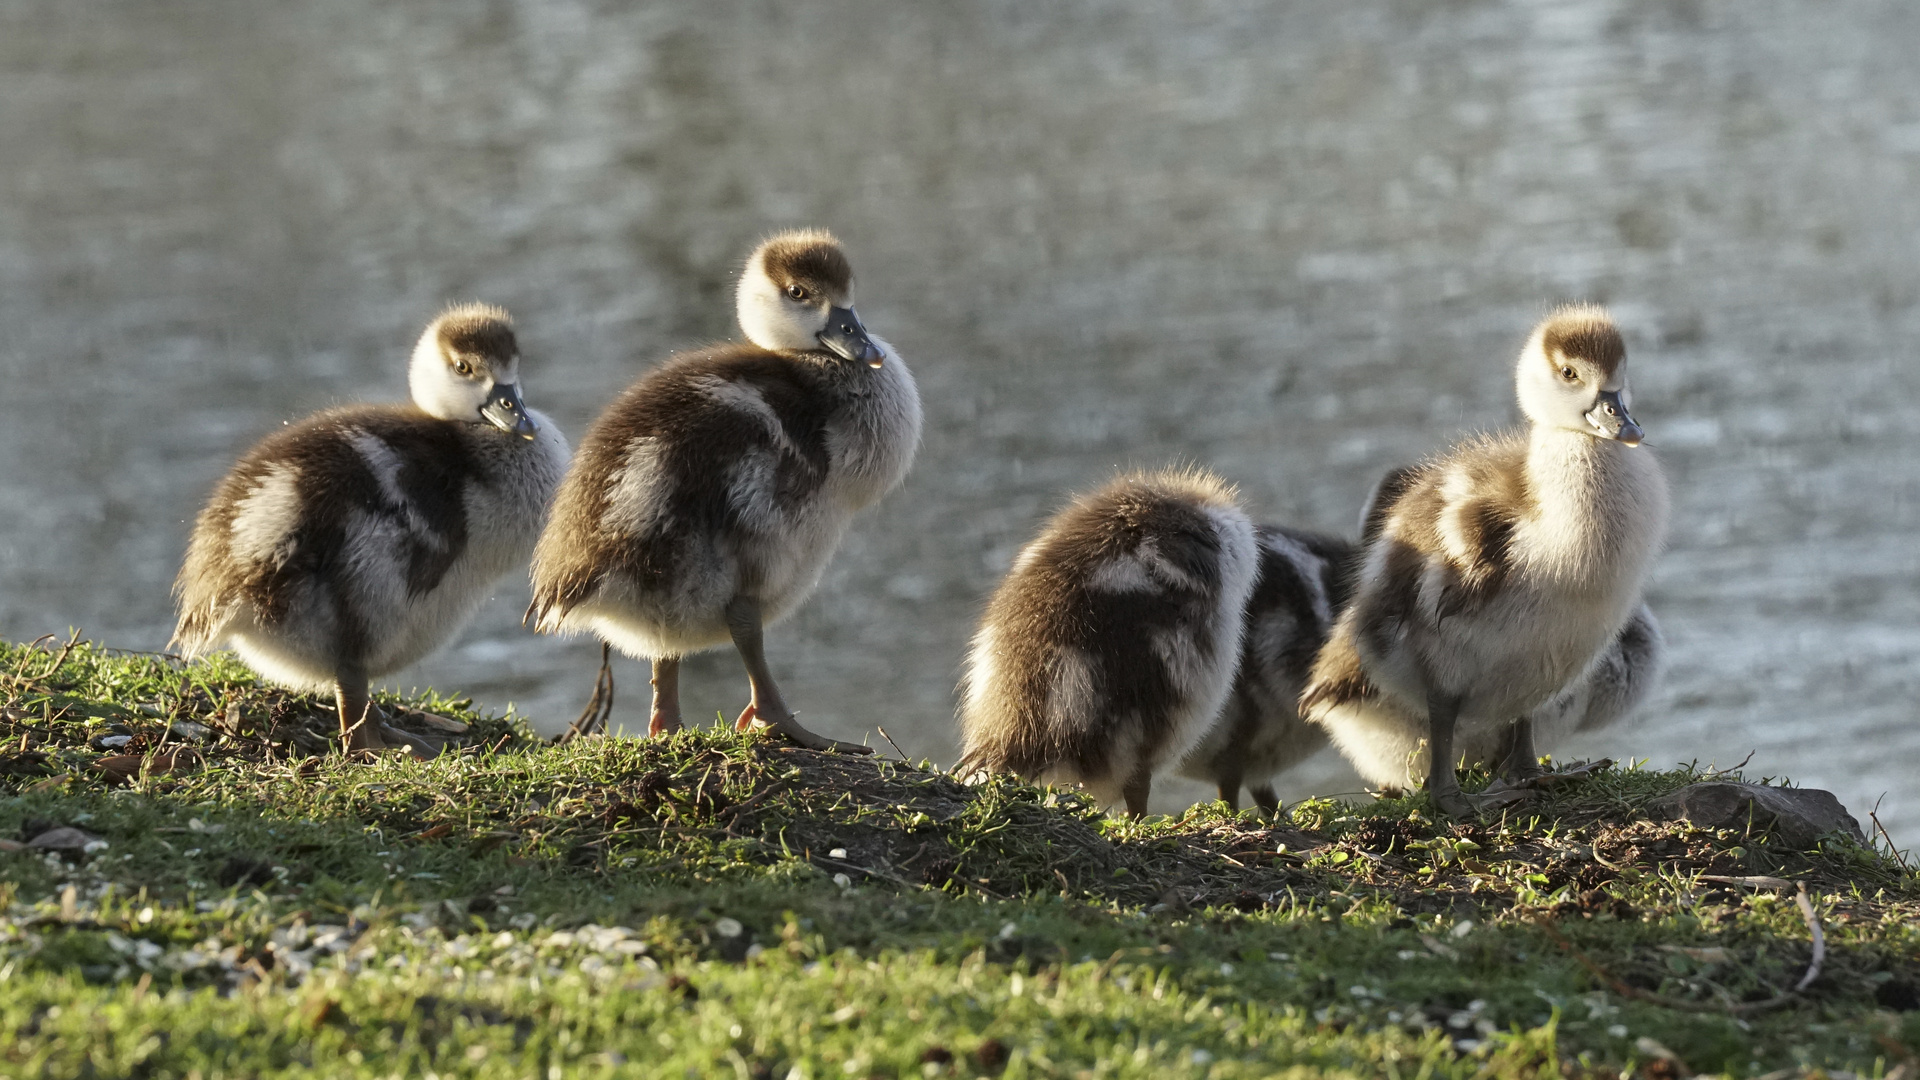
point(718, 904)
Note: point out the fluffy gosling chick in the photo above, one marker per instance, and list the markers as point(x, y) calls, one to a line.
point(347, 546)
point(1500, 573)
point(1304, 581)
point(706, 501)
point(1107, 651)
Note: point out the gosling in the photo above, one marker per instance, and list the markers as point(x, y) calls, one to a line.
point(1109, 648)
point(345, 547)
point(1304, 581)
point(706, 501)
point(1500, 573)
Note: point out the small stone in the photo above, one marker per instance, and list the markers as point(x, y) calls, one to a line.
point(1796, 816)
point(188, 731)
point(64, 838)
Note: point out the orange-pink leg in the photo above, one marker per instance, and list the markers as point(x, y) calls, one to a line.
point(765, 705)
point(359, 728)
point(666, 696)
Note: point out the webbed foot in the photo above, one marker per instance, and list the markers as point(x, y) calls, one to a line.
point(1458, 804)
point(396, 739)
point(1454, 804)
point(787, 726)
point(663, 723)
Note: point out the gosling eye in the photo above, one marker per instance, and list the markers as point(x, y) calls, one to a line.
point(1569, 374)
point(796, 292)
point(463, 369)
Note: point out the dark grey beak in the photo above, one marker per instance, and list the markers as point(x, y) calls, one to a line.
point(506, 411)
point(844, 335)
point(1610, 418)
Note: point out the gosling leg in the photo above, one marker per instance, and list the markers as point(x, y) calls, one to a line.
point(766, 704)
point(665, 718)
point(1230, 779)
point(1265, 799)
point(1442, 713)
point(363, 726)
point(1522, 760)
point(1136, 792)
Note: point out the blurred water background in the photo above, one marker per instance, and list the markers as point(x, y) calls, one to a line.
point(1298, 242)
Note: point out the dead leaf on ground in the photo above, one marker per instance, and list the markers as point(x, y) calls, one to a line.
point(118, 768)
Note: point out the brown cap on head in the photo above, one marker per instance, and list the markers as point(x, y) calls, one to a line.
point(810, 259)
point(1585, 332)
point(478, 330)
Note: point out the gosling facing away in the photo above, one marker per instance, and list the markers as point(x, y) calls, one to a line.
point(1500, 573)
point(706, 501)
point(1107, 651)
point(347, 546)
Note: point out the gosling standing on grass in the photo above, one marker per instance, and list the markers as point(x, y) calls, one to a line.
point(1303, 584)
point(707, 500)
point(1499, 575)
point(347, 546)
point(1108, 649)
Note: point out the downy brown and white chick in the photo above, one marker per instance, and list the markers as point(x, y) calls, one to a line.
point(1106, 652)
point(344, 547)
point(706, 501)
point(1304, 581)
point(1500, 574)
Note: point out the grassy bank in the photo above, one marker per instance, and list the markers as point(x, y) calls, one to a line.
point(725, 905)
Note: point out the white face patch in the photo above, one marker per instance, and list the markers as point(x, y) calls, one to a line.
point(441, 392)
point(268, 513)
point(773, 321)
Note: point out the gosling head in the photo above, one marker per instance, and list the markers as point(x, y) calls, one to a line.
point(1573, 375)
point(796, 295)
point(467, 367)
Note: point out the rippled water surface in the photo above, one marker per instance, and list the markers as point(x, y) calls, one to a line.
point(1298, 242)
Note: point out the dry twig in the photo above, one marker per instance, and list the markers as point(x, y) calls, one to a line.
point(1805, 904)
point(895, 745)
point(1874, 814)
point(599, 707)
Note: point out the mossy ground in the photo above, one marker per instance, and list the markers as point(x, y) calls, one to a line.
point(718, 904)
